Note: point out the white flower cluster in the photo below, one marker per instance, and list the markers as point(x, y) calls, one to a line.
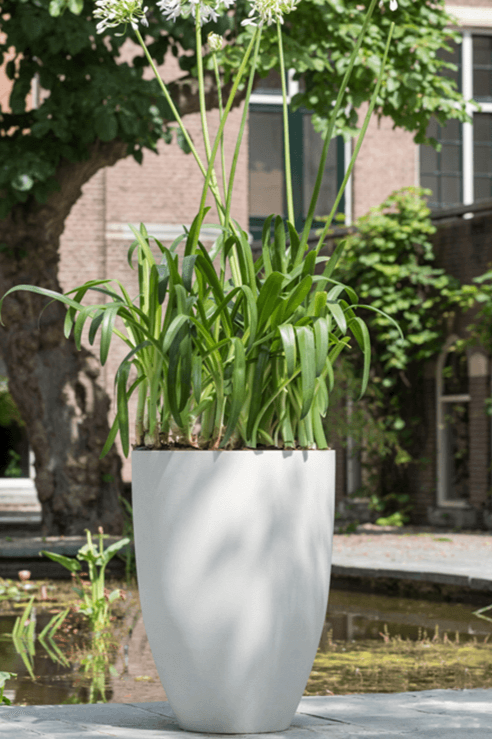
point(209, 9)
point(269, 11)
point(115, 12)
point(393, 4)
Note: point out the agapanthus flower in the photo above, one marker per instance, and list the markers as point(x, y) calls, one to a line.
point(269, 11)
point(209, 9)
point(116, 12)
point(215, 42)
point(393, 4)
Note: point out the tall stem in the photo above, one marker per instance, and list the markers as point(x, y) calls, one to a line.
point(221, 113)
point(178, 118)
point(227, 109)
point(201, 98)
point(288, 175)
point(329, 134)
point(359, 141)
point(244, 118)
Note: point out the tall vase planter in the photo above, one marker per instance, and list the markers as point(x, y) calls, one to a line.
point(233, 560)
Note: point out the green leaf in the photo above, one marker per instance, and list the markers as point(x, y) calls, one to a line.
point(106, 125)
point(122, 406)
point(238, 388)
point(182, 142)
point(359, 330)
point(305, 341)
point(269, 293)
point(288, 337)
point(107, 327)
point(321, 334)
point(68, 562)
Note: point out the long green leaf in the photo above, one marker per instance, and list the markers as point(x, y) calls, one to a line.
point(267, 299)
point(321, 335)
point(305, 341)
point(361, 333)
point(288, 337)
point(122, 406)
point(238, 388)
point(107, 326)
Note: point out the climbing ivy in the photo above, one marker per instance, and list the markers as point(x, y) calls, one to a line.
point(389, 260)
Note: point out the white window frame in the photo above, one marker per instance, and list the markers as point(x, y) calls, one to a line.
point(441, 399)
point(485, 107)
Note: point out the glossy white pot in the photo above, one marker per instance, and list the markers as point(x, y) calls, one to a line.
point(233, 560)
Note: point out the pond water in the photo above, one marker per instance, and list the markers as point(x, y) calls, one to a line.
point(370, 643)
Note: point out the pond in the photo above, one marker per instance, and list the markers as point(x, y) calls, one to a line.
point(370, 643)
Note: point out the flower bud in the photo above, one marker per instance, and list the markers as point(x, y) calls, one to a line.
point(215, 42)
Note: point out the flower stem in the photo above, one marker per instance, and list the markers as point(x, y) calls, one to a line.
point(288, 175)
point(178, 118)
point(201, 97)
point(241, 129)
point(359, 142)
point(227, 109)
point(329, 134)
point(221, 112)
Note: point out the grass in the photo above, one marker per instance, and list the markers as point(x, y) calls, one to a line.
point(396, 665)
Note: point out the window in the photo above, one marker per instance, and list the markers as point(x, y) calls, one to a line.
point(461, 173)
point(266, 158)
point(453, 445)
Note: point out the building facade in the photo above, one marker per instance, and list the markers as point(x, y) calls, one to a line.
point(164, 190)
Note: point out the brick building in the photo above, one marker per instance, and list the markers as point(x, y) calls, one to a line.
point(164, 191)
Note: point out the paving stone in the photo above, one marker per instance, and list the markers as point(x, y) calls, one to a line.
point(464, 714)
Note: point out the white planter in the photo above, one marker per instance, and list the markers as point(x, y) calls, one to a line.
point(233, 559)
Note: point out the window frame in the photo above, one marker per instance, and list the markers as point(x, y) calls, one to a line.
point(272, 102)
point(441, 400)
point(467, 142)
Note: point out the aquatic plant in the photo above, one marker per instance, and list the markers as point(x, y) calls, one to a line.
point(95, 599)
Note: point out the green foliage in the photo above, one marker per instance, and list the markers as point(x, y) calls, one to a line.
point(9, 413)
point(13, 468)
point(95, 601)
point(319, 37)
point(93, 96)
point(4, 676)
point(223, 362)
point(389, 261)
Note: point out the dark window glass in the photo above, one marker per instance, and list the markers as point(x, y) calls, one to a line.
point(482, 67)
point(454, 57)
point(482, 155)
point(456, 448)
point(441, 171)
point(312, 148)
point(455, 374)
point(266, 169)
point(271, 84)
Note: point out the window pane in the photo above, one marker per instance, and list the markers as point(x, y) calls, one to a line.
point(455, 440)
point(482, 188)
point(455, 374)
point(450, 192)
point(266, 174)
point(312, 147)
point(442, 171)
point(482, 67)
point(271, 84)
point(454, 57)
point(431, 182)
point(428, 159)
point(450, 158)
point(451, 131)
point(482, 155)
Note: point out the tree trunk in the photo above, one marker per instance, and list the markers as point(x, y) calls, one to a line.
point(55, 386)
